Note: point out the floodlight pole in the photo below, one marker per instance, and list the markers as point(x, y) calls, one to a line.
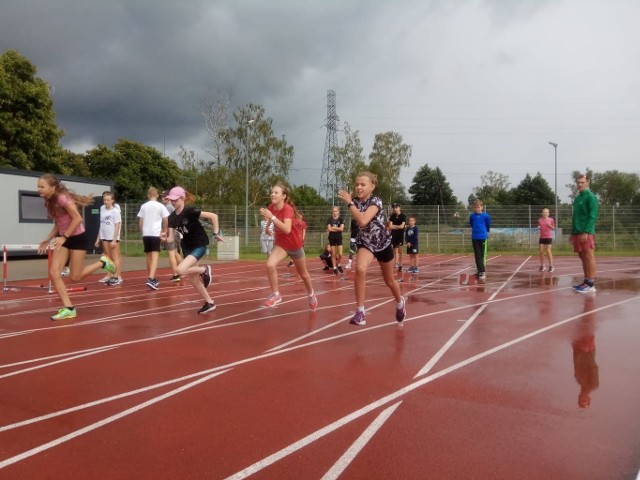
point(555, 188)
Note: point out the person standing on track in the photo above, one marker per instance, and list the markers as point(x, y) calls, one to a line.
point(335, 227)
point(397, 222)
point(373, 241)
point(480, 225)
point(185, 220)
point(109, 235)
point(289, 240)
point(583, 229)
point(546, 226)
point(68, 240)
point(152, 219)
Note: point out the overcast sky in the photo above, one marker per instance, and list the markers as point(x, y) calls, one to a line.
point(472, 85)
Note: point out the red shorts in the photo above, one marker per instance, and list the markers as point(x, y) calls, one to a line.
point(579, 246)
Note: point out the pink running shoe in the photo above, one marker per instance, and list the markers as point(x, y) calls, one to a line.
point(272, 300)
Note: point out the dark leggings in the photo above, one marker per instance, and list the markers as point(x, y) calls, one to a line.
point(480, 253)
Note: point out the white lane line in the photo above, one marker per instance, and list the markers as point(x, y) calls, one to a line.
point(102, 423)
point(68, 359)
point(449, 343)
point(338, 322)
point(345, 460)
point(322, 432)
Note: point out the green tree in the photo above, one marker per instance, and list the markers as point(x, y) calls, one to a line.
point(533, 191)
point(388, 155)
point(430, 187)
point(493, 189)
point(75, 164)
point(29, 137)
point(306, 196)
point(349, 158)
point(134, 168)
point(252, 140)
point(614, 187)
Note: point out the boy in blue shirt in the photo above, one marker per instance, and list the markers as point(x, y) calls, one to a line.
point(480, 225)
point(411, 239)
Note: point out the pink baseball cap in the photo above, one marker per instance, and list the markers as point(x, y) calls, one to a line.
point(175, 193)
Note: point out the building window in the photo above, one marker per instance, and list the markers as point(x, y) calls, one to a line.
point(32, 209)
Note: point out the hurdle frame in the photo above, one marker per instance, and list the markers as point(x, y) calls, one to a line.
point(5, 266)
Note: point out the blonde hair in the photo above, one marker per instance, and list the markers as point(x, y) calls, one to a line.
point(371, 176)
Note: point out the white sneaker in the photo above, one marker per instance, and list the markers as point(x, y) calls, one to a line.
point(348, 265)
point(64, 272)
point(104, 279)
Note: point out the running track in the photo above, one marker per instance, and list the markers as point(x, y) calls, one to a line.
point(481, 381)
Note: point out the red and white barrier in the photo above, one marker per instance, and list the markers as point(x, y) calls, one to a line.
point(22, 248)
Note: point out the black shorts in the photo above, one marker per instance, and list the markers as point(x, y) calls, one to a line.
point(151, 244)
point(546, 241)
point(383, 256)
point(335, 243)
point(412, 250)
point(77, 242)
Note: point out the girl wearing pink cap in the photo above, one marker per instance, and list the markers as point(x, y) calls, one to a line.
point(186, 221)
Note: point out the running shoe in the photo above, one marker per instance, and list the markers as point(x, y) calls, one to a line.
point(109, 266)
point(113, 281)
point(542, 268)
point(358, 318)
point(206, 276)
point(207, 307)
point(290, 264)
point(482, 276)
point(585, 288)
point(65, 272)
point(64, 313)
point(175, 278)
point(340, 269)
point(416, 270)
point(335, 271)
point(348, 266)
point(272, 300)
point(153, 283)
point(399, 268)
point(551, 269)
point(401, 312)
point(313, 302)
point(104, 279)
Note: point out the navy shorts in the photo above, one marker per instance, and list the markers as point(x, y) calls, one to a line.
point(151, 244)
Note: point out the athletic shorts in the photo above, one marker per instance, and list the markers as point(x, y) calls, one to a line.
point(335, 243)
point(198, 252)
point(77, 242)
point(295, 254)
point(412, 250)
point(579, 247)
point(545, 241)
point(151, 244)
point(397, 243)
point(383, 256)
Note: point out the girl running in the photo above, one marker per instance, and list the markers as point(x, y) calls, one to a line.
point(289, 241)
point(185, 220)
point(373, 241)
point(68, 240)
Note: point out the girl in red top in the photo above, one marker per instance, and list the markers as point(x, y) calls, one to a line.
point(289, 241)
point(546, 225)
point(68, 240)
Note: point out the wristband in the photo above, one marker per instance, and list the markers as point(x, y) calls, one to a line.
point(215, 234)
point(350, 204)
point(273, 218)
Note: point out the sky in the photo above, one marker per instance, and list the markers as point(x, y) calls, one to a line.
point(471, 85)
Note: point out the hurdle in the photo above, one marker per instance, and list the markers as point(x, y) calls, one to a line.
point(5, 266)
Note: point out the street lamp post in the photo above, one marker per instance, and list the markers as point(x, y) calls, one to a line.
point(555, 188)
point(246, 192)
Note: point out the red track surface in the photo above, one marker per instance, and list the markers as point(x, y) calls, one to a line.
point(481, 381)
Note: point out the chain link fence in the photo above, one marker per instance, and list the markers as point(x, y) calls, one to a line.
point(442, 229)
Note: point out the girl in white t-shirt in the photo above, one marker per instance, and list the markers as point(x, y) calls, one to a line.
point(109, 235)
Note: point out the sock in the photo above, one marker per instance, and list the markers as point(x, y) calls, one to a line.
point(277, 294)
point(400, 304)
point(311, 294)
point(360, 309)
